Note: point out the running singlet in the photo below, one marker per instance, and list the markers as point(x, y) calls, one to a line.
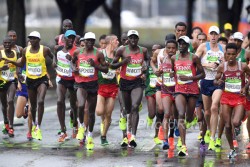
point(60, 39)
point(64, 69)
point(166, 67)
point(10, 74)
point(242, 57)
point(234, 79)
point(133, 69)
point(160, 56)
point(212, 57)
point(87, 73)
point(187, 68)
point(35, 63)
point(110, 77)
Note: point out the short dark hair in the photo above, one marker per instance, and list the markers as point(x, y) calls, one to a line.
point(103, 36)
point(170, 36)
point(196, 28)
point(223, 39)
point(202, 33)
point(181, 24)
point(231, 46)
point(172, 41)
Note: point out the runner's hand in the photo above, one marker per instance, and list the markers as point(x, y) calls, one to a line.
point(50, 84)
point(158, 72)
point(184, 78)
point(126, 60)
point(243, 92)
point(68, 57)
point(5, 67)
point(91, 62)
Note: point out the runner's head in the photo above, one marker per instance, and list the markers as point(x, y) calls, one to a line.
point(195, 32)
point(7, 41)
point(12, 35)
point(238, 39)
point(180, 29)
point(231, 52)
point(124, 38)
point(112, 40)
point(171, 47)
point(133, 37)
point(67, 25)
point(34, 38)
point(228, 29)
point(69, 37)
point(155, 47)
point(102, 41)
point(202, 38)
point(89, 40)
point(213, 34)
point(223, 40)
point(183, 42)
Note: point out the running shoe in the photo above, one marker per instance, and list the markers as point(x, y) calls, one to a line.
point(80, 133)
point(202, 145)
point(26, 109)
point(157, 141)
point(199, 137)
point(218, 142)
point(63, 137)
point(39, 134)
point(124, 142)
point(188, 124)
point(183, 151)
point(11, 132)
point(161, 133)
point(211, 145)
point(123, 123)
point(101, 128)
point(232, 154)
point(179, 143)
point(248, 145)
point(150, 121)
point(5, 129)
point(129, 136)
point(235, 143)
point(104, 141)
point(165, 145)
point(237, 131)
point(132, 143)
point(29, 136)
point(90, 143)
point(171, 142)
point(33, 132)
point(176, 132)
point(194, 122)
point(207, 137)
point(74, 132)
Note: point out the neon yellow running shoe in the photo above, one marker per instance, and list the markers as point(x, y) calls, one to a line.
point(124, 142)
point(39, 134)
point(218, 142)
point(199, 137)
point(179, 143)
point(123, 123)
point(211, 145)
point(140, 107)
point(80, 134)
point(149, 121)
point(33, 132)
point(207, 136)
point(90, 143)
point(157, 141)
point(183, 151)
point(194, 122)
point(188, 124)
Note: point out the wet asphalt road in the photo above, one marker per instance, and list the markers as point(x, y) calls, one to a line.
point(19, 152)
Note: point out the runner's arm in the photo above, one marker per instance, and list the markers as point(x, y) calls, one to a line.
point(218, 78)
point(199, 67)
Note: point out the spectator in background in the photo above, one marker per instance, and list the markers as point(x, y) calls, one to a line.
point(227, 31)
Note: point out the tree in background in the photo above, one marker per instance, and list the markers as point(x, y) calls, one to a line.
point(16, 19)
point(229, 15)
point(78, 11)
point(190, 8)
point(113, 11)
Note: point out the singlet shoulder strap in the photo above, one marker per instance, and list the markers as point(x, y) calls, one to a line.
point(127, 49)
point(95, 50)
point(225, 66)
point(81, 50)
point(140, 48)
point(208, 46)
point(190, 56)
point(242, 53)
point(239, 65)
point(220, 47)
point(177, 56)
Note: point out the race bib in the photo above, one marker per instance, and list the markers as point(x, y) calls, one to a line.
point(233, 85)
point(152, 80)
point(86, 70)
point(34, 69)
point(133, 70)
point(187, 73)
point(167, 80)
point(110, 75)
point(9, 75)
point(63, 69)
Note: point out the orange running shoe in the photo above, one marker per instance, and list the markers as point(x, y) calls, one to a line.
point(171, 143)
point(62, 137)
point(161, 133)
point(11, 132)
point(129, 136)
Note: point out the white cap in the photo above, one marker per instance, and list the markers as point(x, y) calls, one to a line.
point(89, 35)
point(215, 29)
point(132, 32)
point(184, 38)
point(35, 34)
point(238, 35)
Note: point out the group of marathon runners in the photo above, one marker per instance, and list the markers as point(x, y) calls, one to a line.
point(201, 80)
